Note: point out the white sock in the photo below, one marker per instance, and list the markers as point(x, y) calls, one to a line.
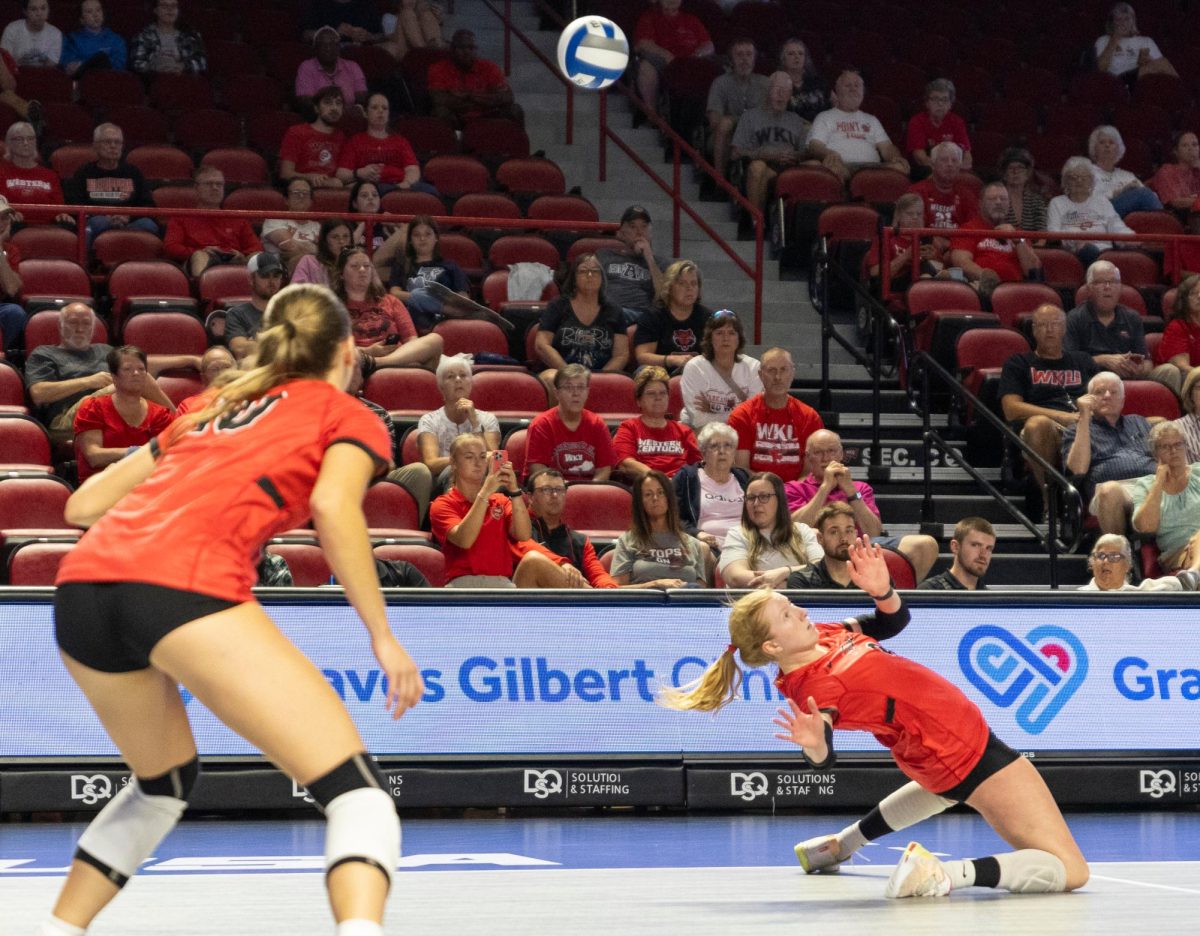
point(961, 872)
point(56, 927)
point(850, 840)
point(359, 928)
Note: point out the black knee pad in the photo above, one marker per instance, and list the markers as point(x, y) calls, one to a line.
point(357, 772)
point(177, 782)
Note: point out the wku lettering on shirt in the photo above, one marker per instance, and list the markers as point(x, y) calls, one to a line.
point(776, 136)
point(1056, 378)
point(775, 432)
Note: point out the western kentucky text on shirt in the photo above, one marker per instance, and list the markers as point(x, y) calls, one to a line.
point(1057, 378)
point(659, 446)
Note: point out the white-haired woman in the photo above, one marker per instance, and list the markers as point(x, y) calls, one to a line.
point(1120, 186)
point(436, 431)
point(710, 494)
point(1081, 208)
point(1111, 562)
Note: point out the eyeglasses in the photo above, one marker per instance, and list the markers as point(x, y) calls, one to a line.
point(1108, 557)
point(759, 498)
point(1171, 446)
point(589, 271)
point(552, 491)
point(654, 495)
point(720, 447)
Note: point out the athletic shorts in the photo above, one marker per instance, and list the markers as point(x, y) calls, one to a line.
point(113, 626)
point(996, 756)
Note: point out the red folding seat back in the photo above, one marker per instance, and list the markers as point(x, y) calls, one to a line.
point(428, 560)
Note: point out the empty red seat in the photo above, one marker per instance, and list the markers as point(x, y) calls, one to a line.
point(809, 184)
point(1149, 398)
point(389, 507)
point(1137, 268)
point(178, 94)
point(427, 559)
point(562, 208)
point(404, 391)
point(265, 132)
point(900, 569)
point(471, 336)
point(175, 196)
point(162, 163)
point(207, 128)
point(24, 443)
point(141, 125)
point(154, 284)
point(981, 353)
point(255, 198)
point(218, 285)
point(463, 251)
point(495, 294)
point(331, 199)
point(306, 563)
point(35, 564)
point(228, 60)
point(611, 397)
point(178, 388)
point(456, 175)
point(598, 509)
point(495, 139)
point(253, 96)
point(522, 249)
point(64, 123)
point(166, 333)
point(515, 443)
point(48, 85)
point(1012, 302)
point(531, 176)
point(591, 245)
point(46, 242)
point(66, 159)
point(509, 394)
point(111, 88)
point(428, 136)
point(114, 247)
point(12, 391)
point(408, 202)
point(924, 296)
point(878, 186)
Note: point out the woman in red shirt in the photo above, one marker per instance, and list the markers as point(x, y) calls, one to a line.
point(838, 674)
point(158, 594)
point(383, 329)
point(653, 441)
point(1179, 350)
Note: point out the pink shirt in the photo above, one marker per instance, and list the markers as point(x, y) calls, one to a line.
point(801, 492)
point(347, 75)
point(720, 505)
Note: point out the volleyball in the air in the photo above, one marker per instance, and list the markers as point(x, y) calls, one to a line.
point(593, 52)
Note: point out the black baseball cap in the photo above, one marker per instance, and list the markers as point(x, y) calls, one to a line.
point(634, 212)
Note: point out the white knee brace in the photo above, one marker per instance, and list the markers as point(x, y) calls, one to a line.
point(363, 826)
point(1032, 871)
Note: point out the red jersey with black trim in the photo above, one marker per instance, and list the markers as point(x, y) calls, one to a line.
point(221, 490)
point(935, 733)
point(492, 551)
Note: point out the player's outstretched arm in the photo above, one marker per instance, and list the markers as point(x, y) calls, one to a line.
point(868, 570)
point(808, 729)
point(103, 489)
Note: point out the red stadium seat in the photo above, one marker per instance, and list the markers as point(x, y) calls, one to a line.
point(675, 397)
point(388, 506)
point(981, 353)
point(508, 394)
point(35, 564)
point(428, 136)
point(179, 389)
point(23, 443)
point(1097, 89)
point(878, 186)
point(809, 184)
point(66, 123)
point(486, 205)
point(1137, 269)
point(265, 132)
point(305, 561)
point(229, 60)
point(900, 569)
point(1153, 340)
point(12, 392)
point(109, 88)
point(471, 336)
point(255, 198)
point(408, 202)
point(925, 296)
point(428, 560)
point(42, 329)
point(1154, 222)
point(531, 177)
point(456, 175)
point(410, 451)
point(140, 125)
point(197, 131)
point(177, 94)
point(1010, 116)
point(219, 285)
point(282, 57)
point(45, 242)
point(591, 245)
point(162, 163)
point(1149, 398)
point(562, 208)
point(849, 222)
point(463, 251)
point(1164, 91)
point(66, 159)
point(611, 397)
point(515, 443)
point(254, 96)
point(166, 333)
point(153, 284)
point(1060, 268)
point(522, 249)
point(331, 199)
point(1129, 297)
point(598, 509)
point(494, 140)
point(175, 196)
point(1012, 302)
point(52, 284)
point(495, 294)
point(48, 85)
point(377, 65)
point(403, 391)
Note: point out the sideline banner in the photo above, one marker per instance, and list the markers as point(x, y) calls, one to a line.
point(577, 678)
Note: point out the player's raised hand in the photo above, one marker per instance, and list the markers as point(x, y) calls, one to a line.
point(867, 567)
point(807, 729)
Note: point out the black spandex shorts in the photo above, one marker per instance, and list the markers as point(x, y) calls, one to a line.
point(996, 756)
point(113, 626)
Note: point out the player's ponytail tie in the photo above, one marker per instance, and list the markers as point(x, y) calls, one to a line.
point(731, 649)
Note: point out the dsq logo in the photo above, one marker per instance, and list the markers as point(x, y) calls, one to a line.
point(1037, 673)
point(748, 786)
point(1157, 783)
point(90, 790)
point(543, 783)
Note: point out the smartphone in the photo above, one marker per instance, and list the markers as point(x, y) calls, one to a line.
point(499, 457)
point(392, 339)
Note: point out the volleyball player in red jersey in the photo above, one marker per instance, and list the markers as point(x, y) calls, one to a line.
point(839, 675)
point(157, 594)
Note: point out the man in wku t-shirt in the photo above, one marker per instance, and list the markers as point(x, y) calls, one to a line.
point(569, 438)
point(774, 426)
point(311, 151)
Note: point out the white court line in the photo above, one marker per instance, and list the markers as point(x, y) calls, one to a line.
point(1182, 890)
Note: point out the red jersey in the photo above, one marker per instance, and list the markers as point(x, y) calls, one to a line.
point(667, 449)
point(1179, 337)
point(375, 321)
point(577, 454)
point(775, 438)
point(492, 551)
point(34, 186)
point(187, 235)
point(220, 491)
point(935, 733)
point(923, 135)
point(681, 34)
point(393, 151)
point(100, 412)
point(444, 75)
point(947, 209)
point(991, 253)
point(310, 150)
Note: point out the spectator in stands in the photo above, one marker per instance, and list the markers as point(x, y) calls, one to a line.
point(1026, 206)
point(663, 34)
point(1111, 565)
point(12, 316)
point(548, 496)
point(972, 545)
point(377, 155)
point(1120, 186)
point(1166, 504)
point(633, 271)
point(1105, 447)
point(845, 139)
point(290, 239)
point(437, 430)
point(770, 138)
point(581, 325)
point(244, 320)
point(710, 494)
point(382, 327)
point(327, 68)
point(1038, 388)
point(836, 533)
point(1177, 184)
point(321, 268)
point(465, 86)
point(1110, 332)
point(25, 181)
point(414, 24)
point(481, 522)
point(386, 239)
point(357, 22)
point(1125, 53)
point(909, 212)
point(988, 260)
point(109, 426)
point(164, 47)
point(774, 426)
point(60, 376)
point(568, 437)
point(936, 124)
point(110, 181)
point(202, 242)
point(1189, 423)
point(810, 91)
point(93, 46)
point(311, 151)
point(655, 552)
point(731, 95)
point(421, 265)
point(33, 41)
point(213, 363)
point(1080, 208)
point(721, 376)
point(949, 198)
point(669, 335)
point(652, 440)
point(829, 481)
point(1180, 346)
point(768, 545)
point(26, 110)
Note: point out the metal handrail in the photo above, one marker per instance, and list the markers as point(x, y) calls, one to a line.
point(509, 32)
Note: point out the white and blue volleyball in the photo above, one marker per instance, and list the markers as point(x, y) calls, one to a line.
point(593, 52)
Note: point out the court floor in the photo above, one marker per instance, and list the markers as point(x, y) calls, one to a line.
point(614, 873)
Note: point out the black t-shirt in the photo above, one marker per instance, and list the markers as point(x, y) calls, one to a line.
point(944, 581)
point(671, 336)
point(446, 272)
point(589, 345)
point(814, 575)
point(122, 187)
point(1053, 384)
point(242, 320)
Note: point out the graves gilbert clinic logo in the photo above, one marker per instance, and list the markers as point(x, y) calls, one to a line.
point(1037, 673)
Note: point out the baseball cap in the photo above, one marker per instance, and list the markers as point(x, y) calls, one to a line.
point(264, 264)
point(633, 213)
